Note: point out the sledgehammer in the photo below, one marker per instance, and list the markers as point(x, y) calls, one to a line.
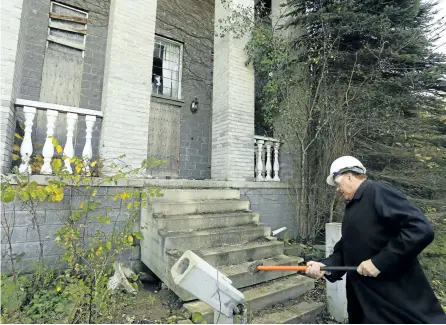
point(257, 267)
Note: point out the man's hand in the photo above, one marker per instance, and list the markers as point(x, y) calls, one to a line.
point(314, 270)
point(367, 268)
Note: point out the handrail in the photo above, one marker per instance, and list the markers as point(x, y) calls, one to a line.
point(57, 107)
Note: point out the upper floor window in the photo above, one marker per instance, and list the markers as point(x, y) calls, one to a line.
point(166, 75)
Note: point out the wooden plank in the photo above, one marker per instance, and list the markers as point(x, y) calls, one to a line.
point(60, 108)
point(68, 18)
point(62, 41)
point(164, 138)
point(61, 78)
point(60, 26)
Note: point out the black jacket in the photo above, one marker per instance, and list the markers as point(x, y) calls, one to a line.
point(382, 225)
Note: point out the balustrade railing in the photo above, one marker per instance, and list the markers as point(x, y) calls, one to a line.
point(30, 110)
point(266, 159)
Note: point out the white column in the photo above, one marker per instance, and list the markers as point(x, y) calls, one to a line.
point(48, 147)
point(233, 101)
point(26, 149)
point(276, 162)
point(11, 48)
point(69, 145)
point(259, 177)
point(127, 81)
point(336, 292)
point(87, 153)
point(268, 166)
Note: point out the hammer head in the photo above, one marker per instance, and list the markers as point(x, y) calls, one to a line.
point(253, 267)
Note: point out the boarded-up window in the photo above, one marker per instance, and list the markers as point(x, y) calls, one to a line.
point(166, 78)
point(63, 63)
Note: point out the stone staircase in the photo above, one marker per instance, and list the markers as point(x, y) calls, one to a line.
point(220, 228)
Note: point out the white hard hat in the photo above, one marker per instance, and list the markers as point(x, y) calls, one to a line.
point(344, 164)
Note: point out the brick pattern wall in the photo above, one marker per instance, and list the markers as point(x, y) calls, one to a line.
point(275, 206)
point(127, 87)
point(28, 64)
point(191, 22)
point(36, 31)
point(13, 16)
point(50, 216)
point(233, 105)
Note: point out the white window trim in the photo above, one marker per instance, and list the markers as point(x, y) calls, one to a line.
point(180, 64)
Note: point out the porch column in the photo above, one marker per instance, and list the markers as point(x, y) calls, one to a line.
point(11, 17)
point(233, 102)
point(127, 80)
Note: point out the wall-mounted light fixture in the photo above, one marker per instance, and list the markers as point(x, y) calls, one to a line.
point(194, 105)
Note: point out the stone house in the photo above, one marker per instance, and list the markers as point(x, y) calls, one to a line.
point(148, 78)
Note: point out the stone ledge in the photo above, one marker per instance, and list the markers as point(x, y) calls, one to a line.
point(167, 183)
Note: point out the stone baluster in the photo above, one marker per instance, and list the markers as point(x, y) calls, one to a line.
point(259, 177)
point(69, 145)
point(276, 162)
point(87, 153)
point(268, 166)
point(48, 147)
point(26, 149)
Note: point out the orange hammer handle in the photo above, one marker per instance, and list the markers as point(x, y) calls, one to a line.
point(281, 268)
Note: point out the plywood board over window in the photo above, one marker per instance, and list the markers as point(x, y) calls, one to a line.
point(63, 63)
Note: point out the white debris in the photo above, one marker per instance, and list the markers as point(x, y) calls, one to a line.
point(119, 279)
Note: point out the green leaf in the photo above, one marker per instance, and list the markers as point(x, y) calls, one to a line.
point(8, 195)
point(24, 196)
point(108, 245)
point(138, 235)
point(197, 317)
point(54, 141)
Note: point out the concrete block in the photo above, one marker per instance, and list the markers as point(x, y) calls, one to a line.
point(301, 313)
point(336, 292)
point(214, 237)
point(181, 208)
point(197, 194)
point(262, 296)
point(206, 221)
point(236, 254)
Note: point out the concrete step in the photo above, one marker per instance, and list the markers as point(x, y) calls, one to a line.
point(235, 254)
point(206, 221)
point(196, 207)
point(177, 195)
point(219, 237)
point(242, 277)
point(300, 313)
point(262, 296)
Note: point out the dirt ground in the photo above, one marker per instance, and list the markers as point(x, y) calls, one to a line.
point(151, 305)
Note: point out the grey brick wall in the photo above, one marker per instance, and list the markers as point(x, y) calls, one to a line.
point(13, 17)
point(276, 207)
point(49, 218)
point(36, 31)
point(29, 65)
point(191, 22)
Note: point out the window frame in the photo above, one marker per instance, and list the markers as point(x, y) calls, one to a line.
point(84, 12)
point(160, 40)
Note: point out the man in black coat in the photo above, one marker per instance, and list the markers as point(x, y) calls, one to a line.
point(382, 234)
